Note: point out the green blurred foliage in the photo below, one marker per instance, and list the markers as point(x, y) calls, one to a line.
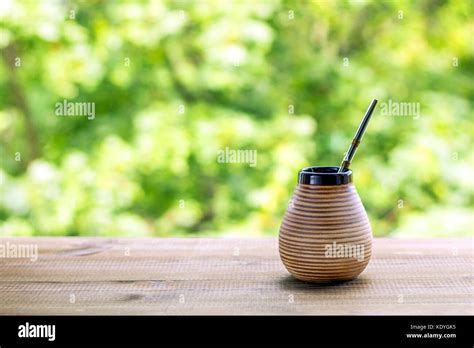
point(175, 82)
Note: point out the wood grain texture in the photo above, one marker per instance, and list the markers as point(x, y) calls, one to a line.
point(318, 221)
point(228, 276)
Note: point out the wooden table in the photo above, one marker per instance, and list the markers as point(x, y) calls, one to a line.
point(228, 276)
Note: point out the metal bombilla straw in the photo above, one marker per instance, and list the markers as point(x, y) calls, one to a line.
point(346, 162)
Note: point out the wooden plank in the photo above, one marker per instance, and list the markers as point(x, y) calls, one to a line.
point(228, 276)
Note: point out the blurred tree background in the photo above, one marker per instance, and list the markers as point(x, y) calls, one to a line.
point(175, 82)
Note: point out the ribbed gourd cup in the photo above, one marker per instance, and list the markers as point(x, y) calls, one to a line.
point(325, 235)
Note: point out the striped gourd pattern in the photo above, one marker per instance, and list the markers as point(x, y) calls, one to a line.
point(318, 219)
